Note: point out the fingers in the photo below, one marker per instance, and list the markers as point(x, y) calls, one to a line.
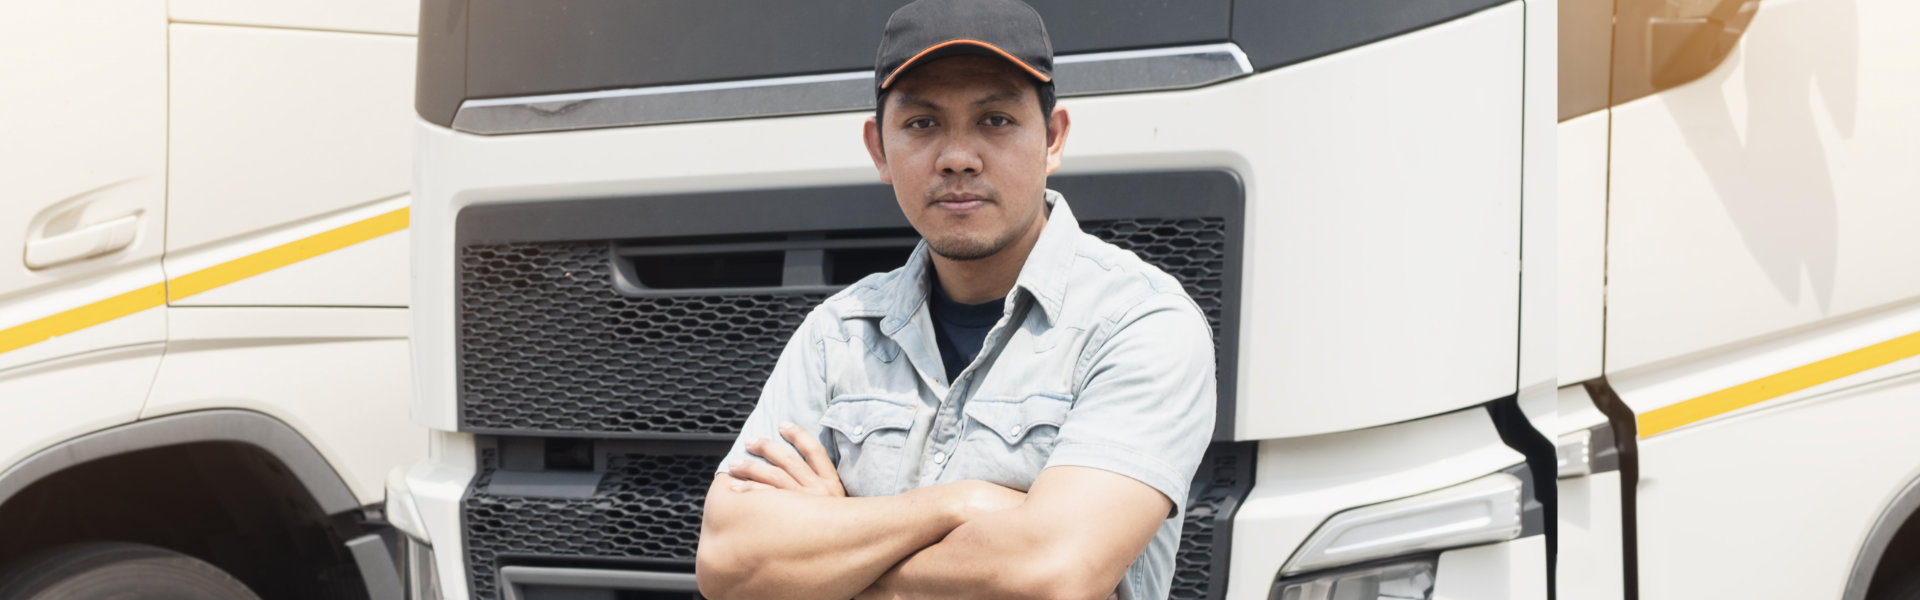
point(761, 473)
point(784, 457)
point(815, 455)
point(749, 486)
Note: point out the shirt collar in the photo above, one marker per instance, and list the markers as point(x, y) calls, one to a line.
point(1043, 276)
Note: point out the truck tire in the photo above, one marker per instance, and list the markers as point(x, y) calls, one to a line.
point(117, 570)
point(1905, 588)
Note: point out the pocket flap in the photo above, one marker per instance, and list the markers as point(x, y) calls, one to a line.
point(1012, 418)
point(859, 416)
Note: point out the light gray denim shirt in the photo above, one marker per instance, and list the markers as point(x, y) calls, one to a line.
point(1099, 360)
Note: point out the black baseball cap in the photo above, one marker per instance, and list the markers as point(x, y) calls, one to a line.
point(929, 30)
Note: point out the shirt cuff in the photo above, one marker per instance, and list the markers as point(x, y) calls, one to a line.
point(1122, 460)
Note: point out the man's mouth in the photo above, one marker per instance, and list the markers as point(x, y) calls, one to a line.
point(959, 202)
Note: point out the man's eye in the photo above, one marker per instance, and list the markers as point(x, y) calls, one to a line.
point(921, 123)
point(998, 121)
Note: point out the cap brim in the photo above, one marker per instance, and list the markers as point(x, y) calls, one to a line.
point(956, 47)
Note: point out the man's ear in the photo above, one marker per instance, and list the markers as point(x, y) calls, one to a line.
point(1057, 137)
point(877, 151)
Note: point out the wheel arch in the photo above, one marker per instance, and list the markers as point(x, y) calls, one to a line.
point(1897, 529)
point(236, 488)
point(266, 433)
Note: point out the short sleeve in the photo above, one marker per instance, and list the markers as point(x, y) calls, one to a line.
point(795, 392)
point(1146, 409)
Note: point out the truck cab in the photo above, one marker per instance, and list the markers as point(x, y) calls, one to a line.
point(623, 209)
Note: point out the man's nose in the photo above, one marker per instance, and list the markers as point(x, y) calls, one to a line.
point(958, 156)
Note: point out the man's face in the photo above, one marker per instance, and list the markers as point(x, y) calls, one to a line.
point(968, 153)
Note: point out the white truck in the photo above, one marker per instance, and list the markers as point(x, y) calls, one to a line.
point(1739, 286)
point(203, 285)
point(624, 208)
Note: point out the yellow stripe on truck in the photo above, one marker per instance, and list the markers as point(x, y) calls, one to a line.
point(59, 324)
point(1780, 384)
point(63, 323)
point(186, 286)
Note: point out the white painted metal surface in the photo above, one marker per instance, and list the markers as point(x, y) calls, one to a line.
point(1539, 233)
point(1652, 388)
point(1583, 246)
point(370, 273)
point(371, 16)
point(1775, 192)
point(321, 126)
point(1299, 482)
point(56, 400)
point(1591, 558)
point(1789, 490)
point(337, 375)
point(84, 152)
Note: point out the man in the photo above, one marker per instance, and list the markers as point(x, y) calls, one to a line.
point(1016, 412)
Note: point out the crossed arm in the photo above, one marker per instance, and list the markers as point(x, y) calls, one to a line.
point(787, 530)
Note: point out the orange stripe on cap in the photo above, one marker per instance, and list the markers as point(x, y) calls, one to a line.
point(916, 58)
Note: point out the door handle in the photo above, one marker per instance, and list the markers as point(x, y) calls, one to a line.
point(86, 242)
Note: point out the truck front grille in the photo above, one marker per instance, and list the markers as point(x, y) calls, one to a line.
point(659, 378)
point(547, 345)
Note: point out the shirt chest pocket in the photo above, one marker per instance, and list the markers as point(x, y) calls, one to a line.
point(870, 436)
point(1008, 440)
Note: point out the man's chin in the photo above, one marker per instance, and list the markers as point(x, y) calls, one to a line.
point(963, 250)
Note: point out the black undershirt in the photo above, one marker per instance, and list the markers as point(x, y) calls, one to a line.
point(959, 329)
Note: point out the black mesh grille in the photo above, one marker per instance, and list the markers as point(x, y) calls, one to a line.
point(1217, 489)
point(647, 507)
point(547, 345)
point(1193, 251)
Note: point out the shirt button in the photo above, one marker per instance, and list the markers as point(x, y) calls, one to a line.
point(857, 430)
point(939, 458)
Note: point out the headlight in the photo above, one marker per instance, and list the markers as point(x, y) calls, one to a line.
point(1398, 581)
point(1488, 509)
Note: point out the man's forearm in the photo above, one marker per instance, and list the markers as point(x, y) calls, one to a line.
point(1073, 537)
point(771, 543)
point(1003, 555)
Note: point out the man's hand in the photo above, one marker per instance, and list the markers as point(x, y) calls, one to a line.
point(786, 529)
point(802, 467)
point(805, 467)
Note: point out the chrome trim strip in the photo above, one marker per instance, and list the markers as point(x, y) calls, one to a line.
point(1149, 70)
point(1124, 71)
point(1572, 456)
